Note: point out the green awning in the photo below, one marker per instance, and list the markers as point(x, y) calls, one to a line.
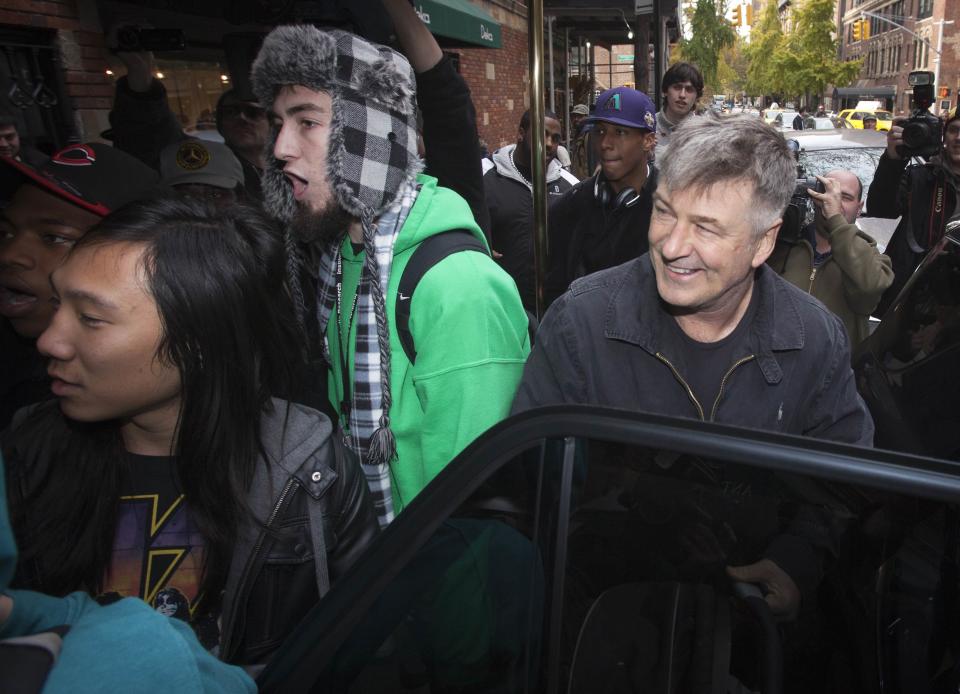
point(459, 20)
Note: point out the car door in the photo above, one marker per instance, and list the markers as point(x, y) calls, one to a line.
point(579, 549)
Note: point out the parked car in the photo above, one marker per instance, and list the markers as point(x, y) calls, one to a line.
point(770, 115)
point(824, 150)
point(820, 123)
point(855, 117)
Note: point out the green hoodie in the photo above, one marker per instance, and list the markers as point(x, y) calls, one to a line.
point(124, 647)
point(470, 332)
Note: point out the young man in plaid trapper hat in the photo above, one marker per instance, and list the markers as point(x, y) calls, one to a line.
point(343, 177)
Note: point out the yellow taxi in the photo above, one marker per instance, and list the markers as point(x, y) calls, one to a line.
point(854, 116)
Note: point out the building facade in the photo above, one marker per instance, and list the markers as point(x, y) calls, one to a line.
point(59, 78)
point(889, 52)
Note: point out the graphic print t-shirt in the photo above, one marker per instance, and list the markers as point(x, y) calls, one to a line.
point(157, 550)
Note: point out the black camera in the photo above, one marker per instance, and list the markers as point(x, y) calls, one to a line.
point(800, 211)
point(923, 132)
point(805, 184)
point(134, 39)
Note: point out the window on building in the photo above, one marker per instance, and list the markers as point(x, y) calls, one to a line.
point(32, 87)
point(924, 9)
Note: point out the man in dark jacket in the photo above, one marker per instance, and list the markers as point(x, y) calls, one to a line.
point(603, 220)
point(509, 192)
point(799, 121)
point(924, 196)
point(701, 328)
point(449, 119)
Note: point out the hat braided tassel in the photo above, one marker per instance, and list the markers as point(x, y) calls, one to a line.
point(383, 444)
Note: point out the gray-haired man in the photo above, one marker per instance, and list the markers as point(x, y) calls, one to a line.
point(699, 327)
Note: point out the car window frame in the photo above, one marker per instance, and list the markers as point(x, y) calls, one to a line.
point(341, 609)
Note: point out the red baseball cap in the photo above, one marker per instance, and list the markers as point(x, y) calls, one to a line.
point(93, 176)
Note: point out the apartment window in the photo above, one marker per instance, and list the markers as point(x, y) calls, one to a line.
point(924, 9)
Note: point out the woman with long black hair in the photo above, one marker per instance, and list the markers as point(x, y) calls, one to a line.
point(165, 469)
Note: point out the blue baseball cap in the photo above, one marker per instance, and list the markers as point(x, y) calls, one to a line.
point(625, 106)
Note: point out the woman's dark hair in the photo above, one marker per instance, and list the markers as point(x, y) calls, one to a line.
point(217, 278)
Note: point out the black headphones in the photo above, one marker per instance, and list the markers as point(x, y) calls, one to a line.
point(603, 194)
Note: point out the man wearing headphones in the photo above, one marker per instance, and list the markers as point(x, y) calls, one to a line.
point(602, 221)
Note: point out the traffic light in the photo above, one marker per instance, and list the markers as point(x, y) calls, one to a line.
point(749, 15)
point(737, 16)
point(856, 30)
point(865, 29)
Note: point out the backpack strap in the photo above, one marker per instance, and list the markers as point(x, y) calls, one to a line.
point(430, 252)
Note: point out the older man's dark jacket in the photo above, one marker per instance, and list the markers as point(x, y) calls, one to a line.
point(599, 344)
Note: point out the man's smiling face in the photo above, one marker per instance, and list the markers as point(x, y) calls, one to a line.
point(704, 247)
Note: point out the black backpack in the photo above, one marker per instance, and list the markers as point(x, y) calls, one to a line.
point(430, 252)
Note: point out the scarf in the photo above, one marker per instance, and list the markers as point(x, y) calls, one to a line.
point(368, 412)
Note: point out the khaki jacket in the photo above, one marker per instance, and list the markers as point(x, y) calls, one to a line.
point(849, 283)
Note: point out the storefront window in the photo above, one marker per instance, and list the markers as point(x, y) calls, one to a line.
point(193, 88)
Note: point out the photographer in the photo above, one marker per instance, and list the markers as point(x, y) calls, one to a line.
point(833, 260)
point(925, 195)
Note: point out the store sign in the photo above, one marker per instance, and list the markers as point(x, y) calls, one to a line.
point(486, 34)
point(424, 16)
point(624, 58)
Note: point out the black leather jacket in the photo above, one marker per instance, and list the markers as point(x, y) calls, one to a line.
point(313, 514)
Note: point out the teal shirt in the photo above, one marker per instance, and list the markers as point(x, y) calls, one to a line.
point(124, 647)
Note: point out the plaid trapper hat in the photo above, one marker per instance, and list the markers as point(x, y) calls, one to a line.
point(373, 136)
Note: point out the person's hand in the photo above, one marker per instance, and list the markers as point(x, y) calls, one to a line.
point(829, 202)
point(6, 607)
point(894, 139)
point(496, 256)
point(139, 64)
point(780, 592)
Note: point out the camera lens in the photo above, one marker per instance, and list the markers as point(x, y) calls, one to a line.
point(916, 135)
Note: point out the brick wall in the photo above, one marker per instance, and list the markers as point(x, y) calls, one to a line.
point(500, 85)
point(81, 42)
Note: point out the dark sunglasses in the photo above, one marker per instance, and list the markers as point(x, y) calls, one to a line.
point(251, 111)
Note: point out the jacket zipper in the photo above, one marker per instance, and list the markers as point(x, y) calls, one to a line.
point(723, 383)
point(241, 586)
point(676, 374)
point(813, 274)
